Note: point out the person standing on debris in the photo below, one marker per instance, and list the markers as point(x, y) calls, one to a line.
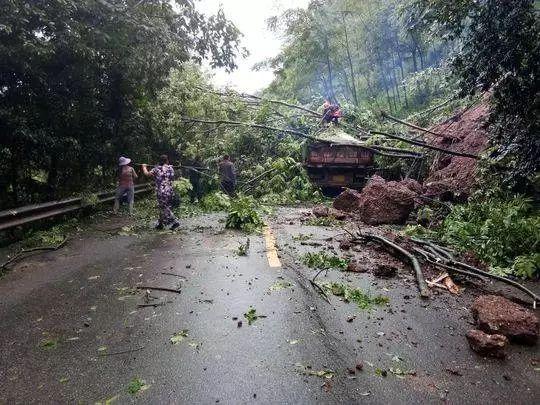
point(163, 175)
point(126, 186)
point(331, 112)
point(227, 176)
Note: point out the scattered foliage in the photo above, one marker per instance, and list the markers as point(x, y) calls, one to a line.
point(362, 299)
point(216, 201)
point(307, 370)
point(179, 336)
point(243, 248)
point(182, 187)
point(280, 285)
point(322, 260)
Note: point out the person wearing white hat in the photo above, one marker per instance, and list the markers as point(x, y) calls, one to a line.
point(126, 180)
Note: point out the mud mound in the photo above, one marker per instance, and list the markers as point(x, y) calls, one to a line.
point(347, 201)
point(380, 202)
point(454, 177)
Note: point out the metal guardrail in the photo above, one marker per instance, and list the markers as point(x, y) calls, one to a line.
point(31, 213)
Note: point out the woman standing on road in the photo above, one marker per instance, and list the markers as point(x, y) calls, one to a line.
point(163, 175)
point(126, 178)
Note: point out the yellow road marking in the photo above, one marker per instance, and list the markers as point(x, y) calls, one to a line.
point(271, 250)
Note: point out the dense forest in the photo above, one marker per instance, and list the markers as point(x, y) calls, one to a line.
point(83, 82)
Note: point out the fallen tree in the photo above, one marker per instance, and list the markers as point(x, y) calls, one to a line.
point(373, 148)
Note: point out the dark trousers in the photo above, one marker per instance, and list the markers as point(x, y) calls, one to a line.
point(228, 187)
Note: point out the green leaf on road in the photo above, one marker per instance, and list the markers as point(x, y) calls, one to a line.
point(280, 285)
point(251, 315)
point(136, 385)
point(322, 260)
point(48, 343)
point(179, 336)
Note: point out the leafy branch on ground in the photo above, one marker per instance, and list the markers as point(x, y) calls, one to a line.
point(251, 315)
point(356, 295)
point(322, 260)
point(243, 215)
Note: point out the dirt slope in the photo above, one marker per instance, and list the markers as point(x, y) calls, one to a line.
point(454, 177)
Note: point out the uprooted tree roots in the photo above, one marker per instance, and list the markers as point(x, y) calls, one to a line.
point(438, 256)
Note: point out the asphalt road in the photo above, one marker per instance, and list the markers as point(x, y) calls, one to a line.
point(73, 332)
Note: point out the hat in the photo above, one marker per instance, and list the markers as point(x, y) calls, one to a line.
point(123, 161)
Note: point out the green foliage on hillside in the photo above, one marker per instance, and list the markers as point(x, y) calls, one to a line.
point(503, 232)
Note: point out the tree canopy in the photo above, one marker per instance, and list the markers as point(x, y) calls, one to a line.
point(76, 78)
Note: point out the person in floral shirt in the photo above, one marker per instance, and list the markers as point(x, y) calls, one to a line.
point(163, 175)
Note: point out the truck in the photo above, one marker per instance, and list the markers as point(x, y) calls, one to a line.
point(336, 160)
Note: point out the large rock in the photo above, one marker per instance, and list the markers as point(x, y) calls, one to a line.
point(487, 345)
point(324, 211)
point(347, 201)
point(497, 315)
point(412, 185)
point(380, 202)
point(385, 202)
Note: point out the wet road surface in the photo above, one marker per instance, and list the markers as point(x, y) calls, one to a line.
point(73, 332)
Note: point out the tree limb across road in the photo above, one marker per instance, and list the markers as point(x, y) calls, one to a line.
point(408, 154)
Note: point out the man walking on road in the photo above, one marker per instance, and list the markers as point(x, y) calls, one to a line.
point(227, 176)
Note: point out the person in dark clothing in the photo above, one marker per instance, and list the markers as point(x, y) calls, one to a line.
point(227, 176)
point(194, 175)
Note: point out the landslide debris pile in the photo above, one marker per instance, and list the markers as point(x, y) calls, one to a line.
point(450, 178)
point(453, 178)
point(381, 201)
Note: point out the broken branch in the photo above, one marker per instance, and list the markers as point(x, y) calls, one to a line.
point(141, 287)
point(408, 124)
point(422, 286)
point(428, 259)
point(483, 273)
point(122, 352)
point(425, 145)
point(23, 251)
point(373, 149)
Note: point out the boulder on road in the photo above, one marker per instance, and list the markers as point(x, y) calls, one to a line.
point(385, 202)
point(324, 211)
point(487, 345)
point(347, 201)
point(497, 315)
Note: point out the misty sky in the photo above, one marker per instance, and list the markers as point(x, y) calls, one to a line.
point(250, 17)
